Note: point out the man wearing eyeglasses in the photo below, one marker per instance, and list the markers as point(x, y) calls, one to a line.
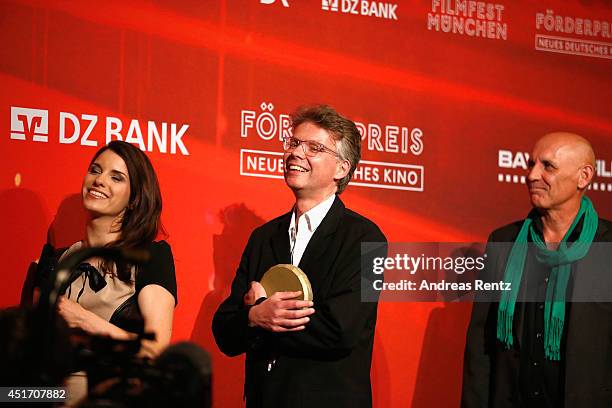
point(303, 353)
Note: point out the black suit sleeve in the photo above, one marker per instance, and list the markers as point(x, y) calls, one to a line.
point(341, 318)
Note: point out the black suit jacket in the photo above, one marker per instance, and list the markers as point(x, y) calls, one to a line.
point(491, 373)
point(328, 363)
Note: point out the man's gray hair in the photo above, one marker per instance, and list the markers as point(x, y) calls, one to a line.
point(343, 131)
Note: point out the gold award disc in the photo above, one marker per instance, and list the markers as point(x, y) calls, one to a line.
point(286, 278)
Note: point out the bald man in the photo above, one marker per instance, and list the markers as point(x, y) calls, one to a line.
point(543, 350)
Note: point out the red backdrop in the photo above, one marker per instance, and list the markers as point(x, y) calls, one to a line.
point(449, 95)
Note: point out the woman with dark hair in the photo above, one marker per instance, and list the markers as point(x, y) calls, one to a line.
point(122, 198)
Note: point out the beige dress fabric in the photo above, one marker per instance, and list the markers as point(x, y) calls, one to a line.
point(107, 300)
point(103, 303)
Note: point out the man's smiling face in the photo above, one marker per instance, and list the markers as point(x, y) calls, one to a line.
point(312, 176)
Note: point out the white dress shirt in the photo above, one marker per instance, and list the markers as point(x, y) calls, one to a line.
point(299, 236)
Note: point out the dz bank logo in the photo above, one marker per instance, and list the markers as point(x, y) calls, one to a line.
point(285, 2)
point(329, 5)
point(29, 124)
point(367, 8)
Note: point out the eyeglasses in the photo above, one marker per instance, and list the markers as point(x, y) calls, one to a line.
point(311, 148)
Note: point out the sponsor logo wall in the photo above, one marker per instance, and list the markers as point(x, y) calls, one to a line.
point(573, 35)
point(448, 96)
point(397, 142)
point(365, 8)
point(33, 124)
point(471, 18)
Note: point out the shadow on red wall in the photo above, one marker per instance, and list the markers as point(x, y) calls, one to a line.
point(68, 226)
point(228, 373)
point(439, 378)
point(24, 223)
point(381, 384)
point(438, 382)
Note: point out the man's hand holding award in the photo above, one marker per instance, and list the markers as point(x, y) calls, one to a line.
point(288, 300)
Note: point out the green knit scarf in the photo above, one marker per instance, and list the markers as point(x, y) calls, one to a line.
point(560, 261)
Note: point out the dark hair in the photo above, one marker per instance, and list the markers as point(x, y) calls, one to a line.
point(343, 130)
point(141, 220)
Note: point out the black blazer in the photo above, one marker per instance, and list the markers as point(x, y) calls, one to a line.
point(328, 363)
point(491, 373)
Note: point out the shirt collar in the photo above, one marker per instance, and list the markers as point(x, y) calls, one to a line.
point(315, 215)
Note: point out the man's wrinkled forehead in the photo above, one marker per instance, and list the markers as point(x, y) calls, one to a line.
point(315, 132)
point(563, 146)
point(547, 151)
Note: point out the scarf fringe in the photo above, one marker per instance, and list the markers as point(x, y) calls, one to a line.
point(504, 330)
point(552, 346)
